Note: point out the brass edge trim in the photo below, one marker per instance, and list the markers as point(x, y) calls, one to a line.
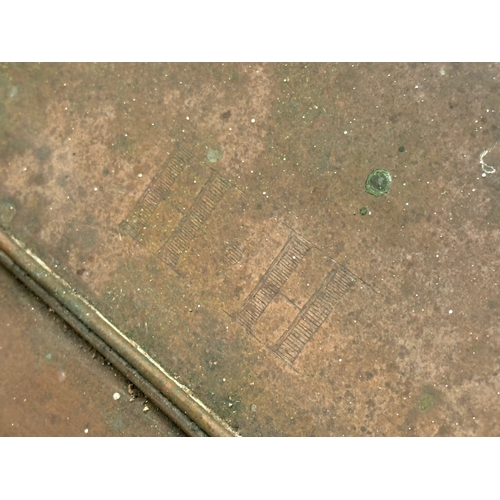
point(129, 350)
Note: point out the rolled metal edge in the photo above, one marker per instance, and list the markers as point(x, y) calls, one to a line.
point(113, 340)
point(172, 412)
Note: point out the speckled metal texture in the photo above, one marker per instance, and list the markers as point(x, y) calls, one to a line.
point(125, 354)
point(54, 384)
point(217, 214)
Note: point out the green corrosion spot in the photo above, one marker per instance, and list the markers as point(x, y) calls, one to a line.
point(7, 213)
point(215, 154)
point(378, 182)
point(426, 401)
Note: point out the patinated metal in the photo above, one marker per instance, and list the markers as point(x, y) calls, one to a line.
point(108, 340)
point(171, 411)
point(218, 216)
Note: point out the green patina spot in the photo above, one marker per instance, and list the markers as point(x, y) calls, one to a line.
point(378, 182)
point(7, 213)
point(401, 149)
point(426, 401)
point(363, 211)
point(215, 154)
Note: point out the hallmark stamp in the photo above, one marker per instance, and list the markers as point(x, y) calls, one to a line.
point(312, 315)
point(270, 284)
point(199, 212)
point(156, 192)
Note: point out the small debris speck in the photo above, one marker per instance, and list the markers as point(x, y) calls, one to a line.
point(116, 396)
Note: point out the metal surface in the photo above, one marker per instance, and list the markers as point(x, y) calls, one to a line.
point(106, 338)
point(179, 418)
point(55, 384)
point(217, 215)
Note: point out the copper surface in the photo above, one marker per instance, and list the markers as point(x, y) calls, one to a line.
point(96, 342)
point(55, 384)
point(106, 338)
point(213, 213)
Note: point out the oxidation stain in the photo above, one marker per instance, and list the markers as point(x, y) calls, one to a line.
point(426, 401)
point(14, 146)
point(4, 123)
point(38, 178)
point(43, 153)
point(14, 90)
point(123, 144)
point(215, 154)
point(7, 212)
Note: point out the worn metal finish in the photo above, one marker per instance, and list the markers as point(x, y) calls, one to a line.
point(217, 214)
point(175, 415)
point(107, 339)
point(55, 384)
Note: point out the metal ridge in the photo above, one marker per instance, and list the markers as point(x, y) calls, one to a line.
point(135, 363)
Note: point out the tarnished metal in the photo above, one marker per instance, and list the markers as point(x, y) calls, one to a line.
point(218, 216)
point(108, 340)
point(171, 411)
point(54, 383)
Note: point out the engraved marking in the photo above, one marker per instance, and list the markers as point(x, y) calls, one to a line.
point(313, 314)
point(270, 284)
point(154, 194)
point(233, 253)
point(207, 199)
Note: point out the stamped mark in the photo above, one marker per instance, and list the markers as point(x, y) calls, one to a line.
point(233, 253)
point(313, 314)
point(154, 194)
point(310, 316)
point(208, 198)
point(270, 284)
